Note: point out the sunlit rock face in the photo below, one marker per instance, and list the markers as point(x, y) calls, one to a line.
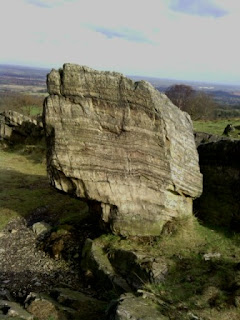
point(122, 144)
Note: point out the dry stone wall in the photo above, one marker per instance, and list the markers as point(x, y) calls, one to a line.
point(123, 145)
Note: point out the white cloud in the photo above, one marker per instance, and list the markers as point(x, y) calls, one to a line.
point(133, 37)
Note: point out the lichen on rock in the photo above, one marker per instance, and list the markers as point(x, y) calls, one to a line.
point(122, 144)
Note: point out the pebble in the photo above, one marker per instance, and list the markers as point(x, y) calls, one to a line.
point(13, 231)
point(6, 281)
point(37, 284)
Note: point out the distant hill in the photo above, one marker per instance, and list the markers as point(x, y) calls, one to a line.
point(32, 79)
point(22, 76)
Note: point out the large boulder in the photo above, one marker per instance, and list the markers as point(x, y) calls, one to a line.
point(121, 145)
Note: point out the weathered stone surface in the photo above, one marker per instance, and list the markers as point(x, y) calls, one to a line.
point(204, 137)
point(124, 269)
point(123, 145)
point(135, 308)
point(41, 228)
point(14, 310)
point(43, 307)
point(220, 202)
point(18, 128)
point(138, 267)
point(86, 307)
point(96, 261)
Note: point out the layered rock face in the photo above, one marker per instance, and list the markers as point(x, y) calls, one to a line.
point(123, 145)
point(18, 128)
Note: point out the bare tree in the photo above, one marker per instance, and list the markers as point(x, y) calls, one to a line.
point(197, 103)
point(180, 94)
point(201, 106)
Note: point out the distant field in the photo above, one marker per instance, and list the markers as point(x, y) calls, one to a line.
point(23, 79)
point(39, 90)
point(17, 83)
point(216, 126)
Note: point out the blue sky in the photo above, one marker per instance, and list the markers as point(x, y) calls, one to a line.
point(178, 39)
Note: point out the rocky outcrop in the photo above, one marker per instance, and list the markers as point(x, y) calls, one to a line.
point(124, 269)
point(132, 307)
point(17, 128)
point(220, 202)
point(204, 137)
point(122, 145)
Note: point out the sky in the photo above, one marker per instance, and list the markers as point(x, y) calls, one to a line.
point(175, 39)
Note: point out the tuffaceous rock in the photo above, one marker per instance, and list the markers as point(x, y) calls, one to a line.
point(122, 146)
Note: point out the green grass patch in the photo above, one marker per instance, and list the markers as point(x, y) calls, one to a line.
point(32, 110)
point(216, 126)
point(203, 269)
point(24, 187)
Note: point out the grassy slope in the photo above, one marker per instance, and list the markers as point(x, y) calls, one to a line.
point(206, 289)
point(24, 187)
point(209, 289)
point(216, 126)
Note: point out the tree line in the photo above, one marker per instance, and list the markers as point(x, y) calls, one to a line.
point(27, 104)
point(200, 105)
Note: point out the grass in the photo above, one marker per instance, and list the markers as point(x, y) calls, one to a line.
point(24, 187)
point(195, 284)
point(206, 288)
point(32, 110)
point(215, 126)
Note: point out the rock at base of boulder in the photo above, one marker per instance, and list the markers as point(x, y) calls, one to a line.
point(14, 310)
point(95, 261)
point(219, 204)
point(135, 308)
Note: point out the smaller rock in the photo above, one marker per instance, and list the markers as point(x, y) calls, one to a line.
point(43, 307)
point(95, 260)
point(159, 270)
point(13, 309)
point(193, 316)
point(41, 228)
point(5, 295)
point(37, 284)
point(13, 231)
point(229, 128)
point(135, 308)
point(209, 256)
point(86, 306)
